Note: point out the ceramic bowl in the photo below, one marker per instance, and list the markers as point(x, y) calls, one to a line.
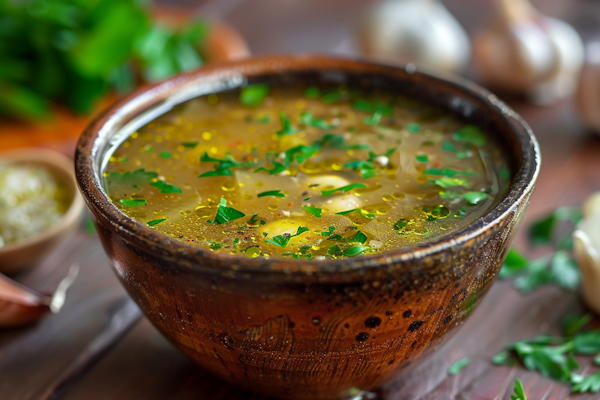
point(302, 329)
point(29, 252)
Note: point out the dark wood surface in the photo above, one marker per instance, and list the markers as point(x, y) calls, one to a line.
point(143, 365)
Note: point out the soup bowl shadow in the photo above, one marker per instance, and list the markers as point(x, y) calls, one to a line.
point(303, 329)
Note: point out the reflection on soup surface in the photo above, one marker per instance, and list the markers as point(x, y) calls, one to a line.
point(308, 173)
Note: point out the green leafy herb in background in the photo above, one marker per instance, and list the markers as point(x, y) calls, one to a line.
point(458, 366)
point(519, 391)
point(554, 357)
point(253, 95)
point(74, 52)
point(558, 267)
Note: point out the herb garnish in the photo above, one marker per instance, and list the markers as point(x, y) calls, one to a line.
point(189, 145)
point(470, 134)
point(373, 107)
point(422, 158)
point(286, 125)
point(447, 182)
point(254, 221)
point(458, 366)
point(414, 128)
point(134, 178)
point(306, 118)
point(165, 154)
point(358, 237)
point(360, 212)
point(277, 169)
point(226, 214)
point(373, 119)
point(337, 141)
point(475, 198)
point(222, 168)
point(155, 222)
point(275, 193)
point(449, 172)
point(345, 189)
point(313, 211)
point(355, 250)
point(133, 203)
point(554, 357)
point(367, 168)
point(312, 92)
point(265, 119)
point(283, 240)
point(558, 267)
point(519, 391)
point(449, 146)
point(166, 188)
point(253, 95)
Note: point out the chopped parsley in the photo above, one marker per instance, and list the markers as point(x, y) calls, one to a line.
point(458, 366)
point(165, 155)
point(447, 182)
point(414, 128)
point(155, 221)
point(189, 145)
point(265, 119)
point(475, 198)
point(312, 92)
point(222, 166)
point(519, 391)
point(226, 214)
point(449, 172)
point(345, 189)
point(254, 221)
point(133, 203)
point(274, 193)
point(277, 168)
point(166, 188)
point(254, 95)
point(449, 146)
point(373, 119)
point(373, 106)
point(337, 141)
point(470, 134)
point(306, 118)
point(283, 240)
point(134, 178)
point(313, 211)
point(355, 250)
point(360, 212)
point(422, 158)
point(286, 125)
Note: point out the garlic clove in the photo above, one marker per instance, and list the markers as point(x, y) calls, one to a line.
point(418, 31)
point(588, 92)
point(529, 53)
point(586, 240)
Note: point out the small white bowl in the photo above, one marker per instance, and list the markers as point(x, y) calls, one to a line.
point(27, 253)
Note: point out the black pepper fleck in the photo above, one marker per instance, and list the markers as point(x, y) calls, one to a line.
point(406, 313)
point(415, 325)
point(361, 337)
point(373, 322)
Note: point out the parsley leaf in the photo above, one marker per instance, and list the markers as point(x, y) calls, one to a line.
point(475, 198)
point(449, 146)
point(447, 182)
point(306, 118)
point(373, 107)
point(166, 188)
point(222, 165)
point(313, 211)
point(286, 125)
point(373, 119)
point(165, 155)
point(337, 141)
point(312, 92)
point(299, 154)
point(519, 391)
point(226, 214)
point(470, 134)
point(355, 250)
point(133, 203)
point(275, 193)
point(277, 169)
point(189, 145)
point(253, 95)
point(581, 384)
point(345, 189)
point(449, 172)
point(422, 158)
point(283, 240)
point(360, 212)
point(134, 178)
point(542, 231)
point(458, 366)
point(265, 119)
point(155, 222)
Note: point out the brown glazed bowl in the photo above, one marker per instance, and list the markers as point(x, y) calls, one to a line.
point(301, 329)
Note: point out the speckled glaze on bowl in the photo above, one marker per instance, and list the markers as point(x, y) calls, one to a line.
point(300, 329)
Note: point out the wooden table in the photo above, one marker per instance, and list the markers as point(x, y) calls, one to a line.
point(143, 365)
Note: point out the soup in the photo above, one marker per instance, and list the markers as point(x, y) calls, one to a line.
point(306, 173)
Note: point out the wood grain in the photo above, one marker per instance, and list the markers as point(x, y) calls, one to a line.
point(144, 365)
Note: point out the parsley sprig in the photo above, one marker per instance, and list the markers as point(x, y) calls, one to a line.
point(284, 239)
point(554, 357)
point(222, 166)
point(558, 267)
point(226, 214)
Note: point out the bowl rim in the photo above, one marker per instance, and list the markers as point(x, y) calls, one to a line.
point(115, 118)
point(61, 166)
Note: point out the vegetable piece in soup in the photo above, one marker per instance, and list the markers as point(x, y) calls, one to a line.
point(318, 173)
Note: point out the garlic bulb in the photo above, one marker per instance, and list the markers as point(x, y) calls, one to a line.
point(418, 31)
point(529, 53)
point(587, 252)
point(588, 93)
